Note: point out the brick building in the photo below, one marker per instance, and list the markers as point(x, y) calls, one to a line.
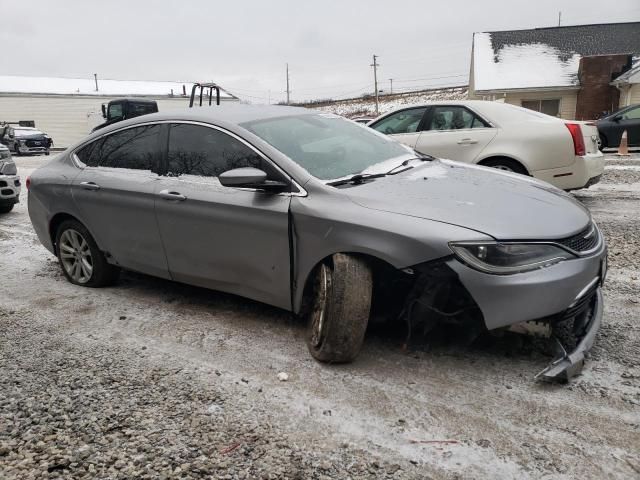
point(568, 72)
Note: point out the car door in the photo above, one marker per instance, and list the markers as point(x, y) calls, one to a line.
point(454, 132)
point(115, 193)
point(631, 123)
point(402, 125)
point(230, 239)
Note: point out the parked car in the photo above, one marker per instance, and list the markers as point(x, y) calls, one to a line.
point(611, 127)
point(499, 135)
point(311, 213)
point(26, 140)
point(9, 181)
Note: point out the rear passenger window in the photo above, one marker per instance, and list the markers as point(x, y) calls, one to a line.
point(207, 152)
point(135, 148)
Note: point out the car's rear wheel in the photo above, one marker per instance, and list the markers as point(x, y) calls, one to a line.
point(506, 164)
point(6, 208)
point(82, 261)
point(341, 302)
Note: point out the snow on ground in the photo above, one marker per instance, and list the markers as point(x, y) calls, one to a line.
point(367, 107)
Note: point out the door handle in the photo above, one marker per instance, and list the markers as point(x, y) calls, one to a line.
point(467, 141)
point(90, 185)
point(169, 195)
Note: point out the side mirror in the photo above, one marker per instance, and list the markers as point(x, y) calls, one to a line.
point(617, 118)
point(250, 178)
point(104, 111)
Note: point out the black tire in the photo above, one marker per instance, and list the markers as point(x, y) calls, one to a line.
point(17, 151)
point(341, 305)
point(47, 153)
point(102, 273)
point(6, 208)
point(506, 164)
point(603, 142)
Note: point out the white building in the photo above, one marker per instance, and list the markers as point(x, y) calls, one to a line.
point(68, 108)
point(629, 86)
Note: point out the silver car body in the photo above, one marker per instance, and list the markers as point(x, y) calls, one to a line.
point(264, 246)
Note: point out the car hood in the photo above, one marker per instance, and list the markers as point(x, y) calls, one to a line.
point(503, 205)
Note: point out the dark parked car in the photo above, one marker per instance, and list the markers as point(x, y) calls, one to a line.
point(612, 126)
point(26, 140)
point(311, 213)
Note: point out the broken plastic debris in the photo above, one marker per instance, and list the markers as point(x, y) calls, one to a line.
point(283, 377)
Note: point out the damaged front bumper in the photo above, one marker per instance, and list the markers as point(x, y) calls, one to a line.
point(569, 364)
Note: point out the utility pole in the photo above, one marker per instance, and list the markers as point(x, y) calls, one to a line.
point(375, 66)
point(288, 90)
point(559, 18)
point(391, 89)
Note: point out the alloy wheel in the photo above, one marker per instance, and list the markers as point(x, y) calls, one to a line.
point(75, 255)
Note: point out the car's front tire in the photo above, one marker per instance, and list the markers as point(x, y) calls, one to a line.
point(6, 208)
point(81, 260)
point(341, 303)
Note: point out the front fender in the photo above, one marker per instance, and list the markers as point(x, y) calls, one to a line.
point(326, 224)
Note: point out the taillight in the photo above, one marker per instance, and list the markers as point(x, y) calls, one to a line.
point(578, 139)
point(28, 182)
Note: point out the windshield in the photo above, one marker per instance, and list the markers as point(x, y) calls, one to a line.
point(326, 145)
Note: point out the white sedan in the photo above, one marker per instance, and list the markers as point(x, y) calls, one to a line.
point(561, 152)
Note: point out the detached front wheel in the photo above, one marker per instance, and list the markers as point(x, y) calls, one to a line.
point(340, 309)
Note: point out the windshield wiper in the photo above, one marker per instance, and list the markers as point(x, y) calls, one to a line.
point(420, 156)
point(356, 179)
point(359, 178)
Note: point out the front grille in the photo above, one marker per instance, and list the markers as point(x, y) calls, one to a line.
point(35, 143)
point(583, 241)
point(582, 304)
point(6, 191)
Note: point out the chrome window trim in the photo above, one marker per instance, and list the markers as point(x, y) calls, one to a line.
point(301, 191)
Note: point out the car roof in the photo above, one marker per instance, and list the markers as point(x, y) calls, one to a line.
point(234, 114)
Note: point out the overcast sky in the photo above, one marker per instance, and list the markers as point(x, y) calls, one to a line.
point(244, 44)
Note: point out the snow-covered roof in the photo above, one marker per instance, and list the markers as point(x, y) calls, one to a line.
point(86, 86)
point(546, 57)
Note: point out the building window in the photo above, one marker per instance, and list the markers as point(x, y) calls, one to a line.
point(550, 107)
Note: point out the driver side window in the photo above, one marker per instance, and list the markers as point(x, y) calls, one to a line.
point(206, 152)
point(405, 121)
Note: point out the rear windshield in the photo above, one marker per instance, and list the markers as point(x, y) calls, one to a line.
point(326, 145)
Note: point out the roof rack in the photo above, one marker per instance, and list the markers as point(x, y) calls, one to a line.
point(206, 89)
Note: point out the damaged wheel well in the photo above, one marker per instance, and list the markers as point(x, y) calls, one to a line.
point(55, 222)
point(422, 296)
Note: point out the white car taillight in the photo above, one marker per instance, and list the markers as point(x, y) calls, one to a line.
point(578, 139)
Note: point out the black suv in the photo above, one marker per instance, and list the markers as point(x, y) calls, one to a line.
point(26, 140)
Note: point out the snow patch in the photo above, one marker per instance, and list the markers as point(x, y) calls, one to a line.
point(533, 65)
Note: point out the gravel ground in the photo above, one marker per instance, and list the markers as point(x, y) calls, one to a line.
point(153, 379)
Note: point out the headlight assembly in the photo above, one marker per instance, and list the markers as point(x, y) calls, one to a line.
point(509, 258)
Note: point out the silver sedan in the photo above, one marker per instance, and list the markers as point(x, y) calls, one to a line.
point(331, 220)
